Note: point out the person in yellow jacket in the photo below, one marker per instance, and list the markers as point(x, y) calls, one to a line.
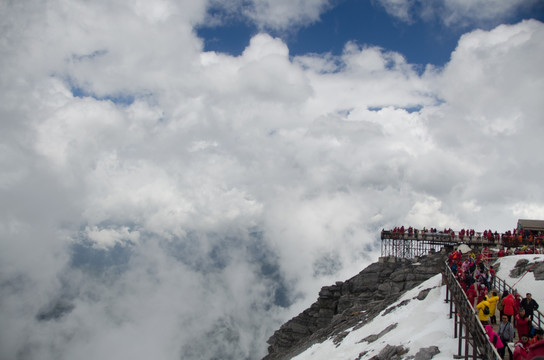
point(493, 299)
point(484, 318)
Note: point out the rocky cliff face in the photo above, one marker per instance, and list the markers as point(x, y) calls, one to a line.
point(347, 304)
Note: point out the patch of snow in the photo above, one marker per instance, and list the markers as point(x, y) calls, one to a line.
point(420, 324)
point(523, 284)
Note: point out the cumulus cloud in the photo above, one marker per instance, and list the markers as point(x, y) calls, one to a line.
point(286, 13)
point(161, 201)
point(456, 13)
point(278, 15)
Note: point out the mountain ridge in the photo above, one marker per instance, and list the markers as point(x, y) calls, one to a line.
point(354, 302)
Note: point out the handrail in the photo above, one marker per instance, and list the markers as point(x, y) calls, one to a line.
point(466, 311)
point(440, 237)
point(455, 237)
point(501, 285)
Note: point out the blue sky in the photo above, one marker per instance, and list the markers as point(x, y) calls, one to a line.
point(421, 41)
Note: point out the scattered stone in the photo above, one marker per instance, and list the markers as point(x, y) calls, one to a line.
point(338, 339)
point(361, 355)
point(392, 308)
point(374, 337)
point(423, 294)
point(519, 269)
point(427, 353)
point(538, 270)
point(391, 353)
point(523, 266)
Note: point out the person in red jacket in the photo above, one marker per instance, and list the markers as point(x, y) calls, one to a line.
point(508, 306)
point(539, 336)
point(521, 348)
point(536, 351)
point(471, 294)
point(482, 293)
point(517, 303)
point(523, 323)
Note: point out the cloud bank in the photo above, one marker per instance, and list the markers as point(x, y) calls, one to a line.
point(161, 201)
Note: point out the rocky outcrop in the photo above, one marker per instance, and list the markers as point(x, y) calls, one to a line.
point(427, 353)
point(352, 303)
point(524, 265)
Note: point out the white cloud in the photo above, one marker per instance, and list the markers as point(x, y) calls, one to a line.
point(489, 115)
point(400, 9)
point(455, 12)
point(281, 15)
point(232, 185)
point(106, 238)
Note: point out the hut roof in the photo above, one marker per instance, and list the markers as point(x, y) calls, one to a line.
point(537, 225)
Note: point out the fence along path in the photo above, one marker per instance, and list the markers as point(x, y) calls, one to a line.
point(467, 327)
point(501, 285)
point(477, 345)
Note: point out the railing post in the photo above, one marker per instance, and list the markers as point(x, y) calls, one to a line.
point(460, 347)
point(466, 340)
point(455, 322)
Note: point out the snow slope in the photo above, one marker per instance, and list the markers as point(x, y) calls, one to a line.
point(420, 323)
point(526, 283)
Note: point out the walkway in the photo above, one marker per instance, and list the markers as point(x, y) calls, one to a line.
point(473, 341)
point(467, 326)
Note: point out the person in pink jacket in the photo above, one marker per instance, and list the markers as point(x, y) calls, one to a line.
point(493, 337)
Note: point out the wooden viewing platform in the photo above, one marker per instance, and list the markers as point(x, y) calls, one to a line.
point(410, 244)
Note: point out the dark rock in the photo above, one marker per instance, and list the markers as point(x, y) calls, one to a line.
point(338, 339)
point(538, 270)
point(361, 355)
point(352, 303)
point(523, 266)
point(371, 338)
point(423, 294)
point(391, 353)
point(427, 353)
point(519, 269)
point(393, 308)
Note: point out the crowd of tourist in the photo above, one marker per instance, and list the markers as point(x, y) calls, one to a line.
point(510, 238)
point(516, 314)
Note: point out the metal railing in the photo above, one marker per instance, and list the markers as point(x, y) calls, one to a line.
point(501, 286)
point(477, 238)
point(442, 237)
point(475, 338)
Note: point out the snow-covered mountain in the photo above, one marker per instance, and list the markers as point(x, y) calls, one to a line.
point(415, 326)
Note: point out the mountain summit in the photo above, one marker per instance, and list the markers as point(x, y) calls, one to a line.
point(347, 306)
